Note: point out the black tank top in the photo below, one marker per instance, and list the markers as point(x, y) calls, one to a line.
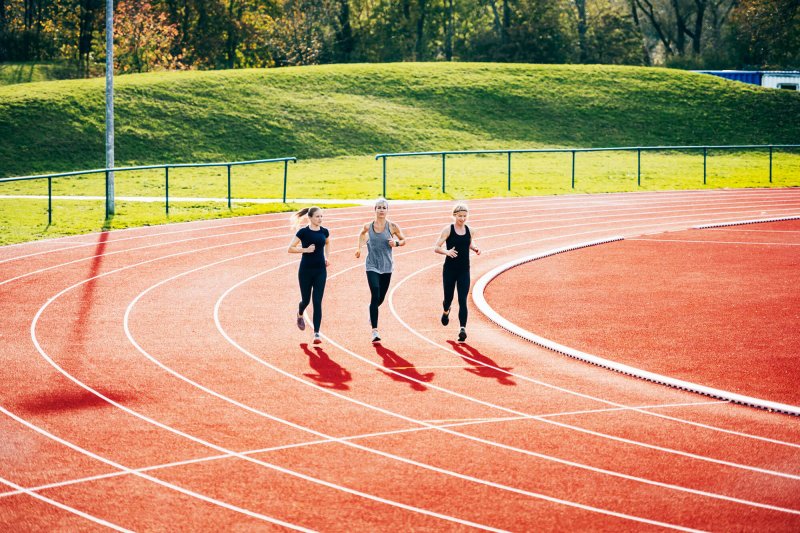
point(461, 244)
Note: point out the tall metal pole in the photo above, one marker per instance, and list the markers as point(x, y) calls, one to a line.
point(109, 107)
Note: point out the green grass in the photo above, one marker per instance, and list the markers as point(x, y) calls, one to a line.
point(23, 220)
point(335, 118)
point(11, 73)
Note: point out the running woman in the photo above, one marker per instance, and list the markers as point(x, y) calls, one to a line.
point(455, 242)
point(313, 241)
point(381, 237)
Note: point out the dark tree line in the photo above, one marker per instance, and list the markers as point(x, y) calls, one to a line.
point(213, 34)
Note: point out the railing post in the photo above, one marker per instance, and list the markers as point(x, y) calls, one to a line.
point(49, 201)
point(639, 167)
point(705, 157)
point(285, 178)
point(384, 177)
point(770, 163)
point(443, 171)
point(509, 171)
point(229, 186)
point(573, 169)
point(166, 188)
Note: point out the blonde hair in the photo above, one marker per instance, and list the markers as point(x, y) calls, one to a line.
point(460, 206)
point(381, 200)
point(302, 216)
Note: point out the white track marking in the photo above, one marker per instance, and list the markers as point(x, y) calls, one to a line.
point(342, 441)
point(142, 475)
point(416, 429)
point(707, 426)
point(208, 444)
point(552, 204)
point(716, 242)
point(616, 213)
point(60, 505)
point(425, 424)
point(526, 378)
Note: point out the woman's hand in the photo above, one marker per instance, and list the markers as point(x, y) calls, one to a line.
point(451, 252)
point(310, 249)
point(358, 253)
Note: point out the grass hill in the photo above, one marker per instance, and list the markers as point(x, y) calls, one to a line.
point(359, 110)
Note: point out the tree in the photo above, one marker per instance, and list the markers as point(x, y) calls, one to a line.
point(768, 33)
point(143, 38)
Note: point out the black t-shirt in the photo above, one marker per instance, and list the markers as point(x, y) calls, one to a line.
point(308, 237)
point(461, 244)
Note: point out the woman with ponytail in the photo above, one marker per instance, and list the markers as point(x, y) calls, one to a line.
point(313, 241)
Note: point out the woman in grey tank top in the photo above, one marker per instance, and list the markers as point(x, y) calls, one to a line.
point(381, 236)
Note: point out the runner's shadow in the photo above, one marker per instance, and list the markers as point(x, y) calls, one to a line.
point(404, 371)
point(330, 374)
point(481, 364)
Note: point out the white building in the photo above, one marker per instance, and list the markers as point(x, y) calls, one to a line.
point(781, 80)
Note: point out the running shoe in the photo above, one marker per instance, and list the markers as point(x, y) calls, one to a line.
point(375, 336)
point(301, 323)
point(462, 335)
point(317, 339)
point(445, 318)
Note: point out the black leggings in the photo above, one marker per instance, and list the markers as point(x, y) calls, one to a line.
point(378, 286)
point(312, 278)
point(453, 278)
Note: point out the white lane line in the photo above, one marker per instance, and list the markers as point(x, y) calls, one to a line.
point(65, 507)
point(427, 425)
point(147, 477)
point(566, 426)
point(468, 422)
point(552, 204)
point(527, 452)
point(218, 448)
point(480, 301)
point(715, 242)
point(504, 217)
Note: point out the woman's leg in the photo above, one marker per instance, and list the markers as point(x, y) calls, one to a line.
point(449, 284)
point(318, 284)
point(304, 277)
point(462, 282)
point(374, 280)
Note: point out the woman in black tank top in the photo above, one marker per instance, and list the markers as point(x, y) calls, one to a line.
point(455, 242)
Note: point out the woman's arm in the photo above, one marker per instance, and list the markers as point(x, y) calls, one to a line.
point(472, 245)
point(295, 247)
point(362, 239)
point(327, 251)
point(399, 239)
point(441, 248)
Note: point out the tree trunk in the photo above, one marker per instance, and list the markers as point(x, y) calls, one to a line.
point(344, 33)
point(419, 48)
point(581, 6)
point(449, 24)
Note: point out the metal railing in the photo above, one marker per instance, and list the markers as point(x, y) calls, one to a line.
point(573, 151)
point(106, 171)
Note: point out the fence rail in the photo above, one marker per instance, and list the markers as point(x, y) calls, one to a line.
point(573, 151)
point(107, 171)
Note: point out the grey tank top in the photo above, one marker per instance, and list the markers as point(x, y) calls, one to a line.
point(379, 257)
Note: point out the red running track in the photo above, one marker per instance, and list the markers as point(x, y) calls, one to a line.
point(153, 378)
point(718, 306)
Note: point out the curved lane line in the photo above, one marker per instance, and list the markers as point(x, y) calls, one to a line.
point(480, 301)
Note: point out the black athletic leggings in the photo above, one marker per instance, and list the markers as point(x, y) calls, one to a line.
point(378, 286)
point(312, 285)
point(453, 278)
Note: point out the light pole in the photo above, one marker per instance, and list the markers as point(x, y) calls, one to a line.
point(109, 108)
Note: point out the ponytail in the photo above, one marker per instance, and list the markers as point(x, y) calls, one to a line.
point(302, 216)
